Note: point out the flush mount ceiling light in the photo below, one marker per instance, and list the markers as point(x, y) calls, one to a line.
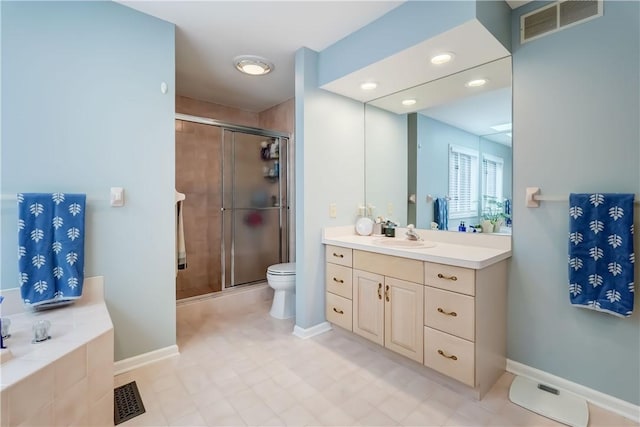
point(476, 83)
point(408, 102)
point(442, 58)
point(368, 85)
point(253, 65)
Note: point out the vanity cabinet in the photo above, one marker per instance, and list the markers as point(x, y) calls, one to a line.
point(465, 322)
point(388, 310)
point(338, 286)
point(451, 319)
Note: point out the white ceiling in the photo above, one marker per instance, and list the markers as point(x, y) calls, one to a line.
point(471, 43)
point(210, 34)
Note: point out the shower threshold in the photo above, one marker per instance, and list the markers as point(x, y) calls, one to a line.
point(245, 287)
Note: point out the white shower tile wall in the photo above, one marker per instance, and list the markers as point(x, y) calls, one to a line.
point(240, 367)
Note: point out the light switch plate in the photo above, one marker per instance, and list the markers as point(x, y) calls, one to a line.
point(117, 197)
point(333, 210)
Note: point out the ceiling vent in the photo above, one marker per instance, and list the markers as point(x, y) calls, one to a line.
point(557, 16)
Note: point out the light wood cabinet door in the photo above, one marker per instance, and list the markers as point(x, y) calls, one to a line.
point(403, 313)
point(368, 305)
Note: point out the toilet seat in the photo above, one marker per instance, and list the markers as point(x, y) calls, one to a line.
point(286, 269)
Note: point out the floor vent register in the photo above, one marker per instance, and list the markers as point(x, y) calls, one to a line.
point(127, 403)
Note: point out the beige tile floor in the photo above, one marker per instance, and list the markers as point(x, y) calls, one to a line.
point(248, 369)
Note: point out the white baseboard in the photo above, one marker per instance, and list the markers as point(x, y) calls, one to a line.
point(318, 329)
point(126, 365)
point(605, 401)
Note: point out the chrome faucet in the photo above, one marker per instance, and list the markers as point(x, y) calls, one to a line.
point(411, 233)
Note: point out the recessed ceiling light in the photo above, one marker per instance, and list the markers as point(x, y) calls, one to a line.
point(368, 85)
point(408, 102)
point(442, 58)
point(253, 65)
point(476, 83)
point(501, 128)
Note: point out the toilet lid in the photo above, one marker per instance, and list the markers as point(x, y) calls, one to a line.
point(286, 269)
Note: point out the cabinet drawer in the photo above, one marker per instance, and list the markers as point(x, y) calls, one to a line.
point(449, 355)
point(450, 312)
point(456, 279)
point(339, 311)
point(339, 280)
point(410, 270)
point(338, 255)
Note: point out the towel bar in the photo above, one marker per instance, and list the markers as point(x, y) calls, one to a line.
point(533, 198)
point(12, 198)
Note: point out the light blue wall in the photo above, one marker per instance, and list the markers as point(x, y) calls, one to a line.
point(576, 110)
point(82, 112)
point(386, 163)
point(434, 138)
point(401, 28)
point(329, 169)
point(506, 154)
point(495, 16)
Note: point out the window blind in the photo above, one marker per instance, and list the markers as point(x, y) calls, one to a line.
point(492, 176)
point(463, 182)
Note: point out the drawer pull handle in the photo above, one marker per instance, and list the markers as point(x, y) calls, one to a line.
point(338, 255)
point(386, 293)
point(442, 276)
point(450, 313)
point(338, 280)
point(379, 290)
point(441, 353)
point(338, 311)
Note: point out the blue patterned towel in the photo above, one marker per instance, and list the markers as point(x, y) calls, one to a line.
point(441, 213)
point(601, 258)
point(50, 247)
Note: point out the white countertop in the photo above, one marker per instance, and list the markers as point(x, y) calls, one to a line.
point(472, 251)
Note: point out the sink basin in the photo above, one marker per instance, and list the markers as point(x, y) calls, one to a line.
point(404, 244)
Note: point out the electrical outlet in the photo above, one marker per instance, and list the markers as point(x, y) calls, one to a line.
point(389, 209)
point(333, 210)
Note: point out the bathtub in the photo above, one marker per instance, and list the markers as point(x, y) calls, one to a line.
point(67, 380)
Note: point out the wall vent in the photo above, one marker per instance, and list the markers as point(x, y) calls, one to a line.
point(558, 16)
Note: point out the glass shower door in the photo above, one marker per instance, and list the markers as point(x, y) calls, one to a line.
point(252, 206)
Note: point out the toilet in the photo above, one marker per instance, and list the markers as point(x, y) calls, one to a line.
point(282, 278)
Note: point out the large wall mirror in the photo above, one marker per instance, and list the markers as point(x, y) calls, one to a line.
point(440, 152)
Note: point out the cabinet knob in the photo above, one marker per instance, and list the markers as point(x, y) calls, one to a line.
point(442, 276)
point(338, 255)
point(448, 313)
point(338, 311)
point(452, 357)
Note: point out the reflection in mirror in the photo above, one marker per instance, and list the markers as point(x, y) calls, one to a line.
point(451, 150)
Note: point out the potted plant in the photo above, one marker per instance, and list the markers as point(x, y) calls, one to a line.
point(493, 215)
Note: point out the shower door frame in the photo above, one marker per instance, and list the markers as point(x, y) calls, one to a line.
point(285, 218)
